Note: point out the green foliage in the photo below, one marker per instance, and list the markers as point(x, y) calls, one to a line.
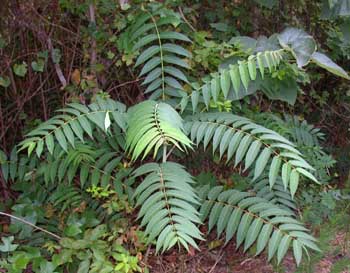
point(75, 121)
point(335, 8)
point(254, 219)
point(301, 44)
point(277, 195)
point(235, 82)
point(7, 245)
point(83, 187)
point(245, 77)
point(151, 125)
point(92, 251)
point(251, 143)
point(168, 205)
point(307, 138)
point(5, 82)
point(326, 63)
point(20, 69)
point(162, 58)
point(208, 53)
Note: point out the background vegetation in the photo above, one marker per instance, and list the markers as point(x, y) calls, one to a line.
point(76, 198)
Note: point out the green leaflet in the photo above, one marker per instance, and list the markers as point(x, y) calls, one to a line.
point(232, 224)
point(152, 63)
point(286, 169)
point(69, 134)
point(170, 81)
point(253, 233)
point(225, 82)
point(177, 73)
point(61, 139)
point(223, 219)
point(261, 65)
point(261, 162)
point(183, 103)
point(49, 143)
point(4, 165)
point(235, 78)
point(206, 95)
point(243, 228)
point(274, 170)
point(294, 181)
point(244, 74)
point(172, 59)
point(147, 54)
point(154, 74)
point(144, 41)
point(297, 251)
point(264, 238)
point(274, 243)
point(252, 153)
point(283, 247)
point(215, 88)
point(242, 148)
point(194, 99)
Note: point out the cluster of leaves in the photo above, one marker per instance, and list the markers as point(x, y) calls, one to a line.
point(90, 215)
point(307, 138)
point(98, 250)
point(82, 156)
point(86, 244)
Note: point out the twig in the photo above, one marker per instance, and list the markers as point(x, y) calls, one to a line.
point(30, 224)
point(52, 24)
point(43, 100)
point(13, 83)
point(13, 114)
point(147, 255)
point(164, 153)
point(171, 150)
point(73, 57)
point(42, 35)
point(4, 187)
point(217, 261)
point(186, 21)
point(93, 54)
point(123, 84)
point(56, 65)
point(2, 126)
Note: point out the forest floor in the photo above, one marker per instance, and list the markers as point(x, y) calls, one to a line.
point(214, 257)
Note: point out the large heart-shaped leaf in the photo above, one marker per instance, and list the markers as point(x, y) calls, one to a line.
point(267, 44)
point(301, 44)
point(283, 90)
point(247, 44)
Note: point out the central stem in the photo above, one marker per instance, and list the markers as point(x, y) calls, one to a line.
point(164, 153)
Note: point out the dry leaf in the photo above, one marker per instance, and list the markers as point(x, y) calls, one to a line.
point(76, 77)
